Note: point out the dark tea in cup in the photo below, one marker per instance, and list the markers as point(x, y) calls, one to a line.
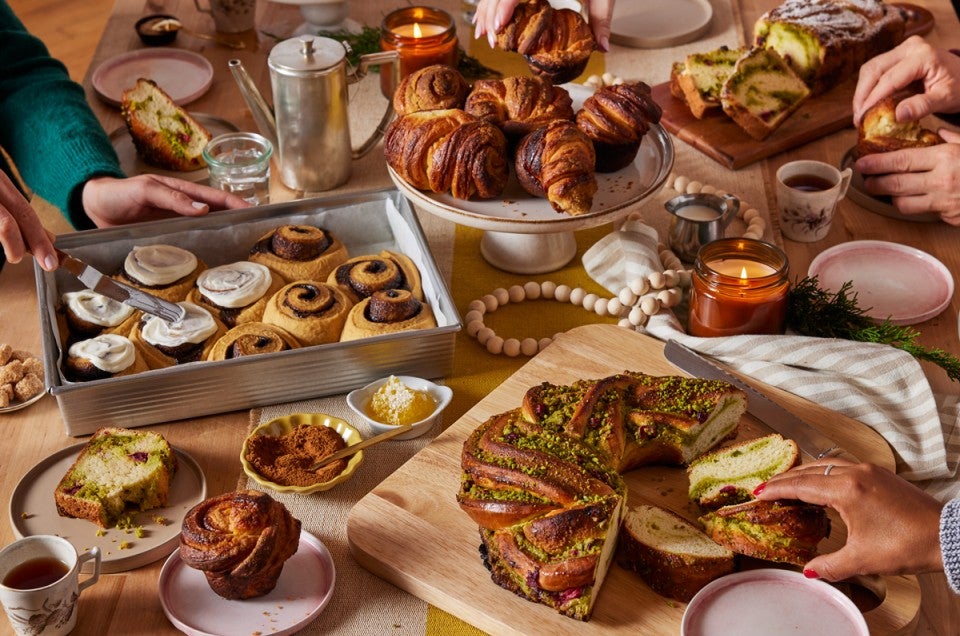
point(35, 573)
point(809, 183)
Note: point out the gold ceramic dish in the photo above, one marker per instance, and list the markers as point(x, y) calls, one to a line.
point(283, 425)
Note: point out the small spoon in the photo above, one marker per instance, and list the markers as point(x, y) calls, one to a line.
point(353, 448)
point(172, 24)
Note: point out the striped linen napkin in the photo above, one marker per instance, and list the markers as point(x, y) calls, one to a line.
point(879, 385)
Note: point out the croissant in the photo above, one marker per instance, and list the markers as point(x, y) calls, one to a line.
point(556, 43)
point(434, 87)
point(519, 105)
point(240, 541)
point(616, 118)
point(448, 151)
point(556, 161)
point(880, 131)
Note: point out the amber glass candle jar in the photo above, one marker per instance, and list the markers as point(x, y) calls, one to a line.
point(422, 36)
point(740, 286)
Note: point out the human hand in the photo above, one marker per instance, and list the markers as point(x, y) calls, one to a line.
point(109, 201)
point(491, 15)
point(21, 230)
point(914, 59)
point(919, 179)
point(893, 527)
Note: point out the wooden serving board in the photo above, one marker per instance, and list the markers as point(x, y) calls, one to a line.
point(410, 531)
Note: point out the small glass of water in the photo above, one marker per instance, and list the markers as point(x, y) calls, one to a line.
point(240, 163)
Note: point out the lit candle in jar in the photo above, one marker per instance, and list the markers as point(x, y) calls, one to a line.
point(740, 286)
point(422, 36)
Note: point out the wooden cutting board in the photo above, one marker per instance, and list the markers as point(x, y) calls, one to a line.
point(410, 531)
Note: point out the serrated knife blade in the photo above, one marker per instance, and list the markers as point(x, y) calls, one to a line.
point(120, 292)
point(810, 440)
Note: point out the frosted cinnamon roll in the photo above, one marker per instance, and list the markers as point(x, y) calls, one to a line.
point(251, 338)
point(162, 270)
point(87, 314)
point(240, 541)
point(107, 355)
point(236, 292)
point(360, 276)
point(164, 344)
point(311, 312)
point(299, 252)
point(387, 311)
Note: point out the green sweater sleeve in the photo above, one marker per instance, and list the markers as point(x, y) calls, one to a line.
point(46, 125)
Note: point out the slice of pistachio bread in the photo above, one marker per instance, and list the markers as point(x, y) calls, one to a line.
point(730, 474)
point(702, 76)
point(117, 468)
point(164, 134)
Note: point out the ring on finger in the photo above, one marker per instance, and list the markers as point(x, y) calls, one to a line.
point(828, 469)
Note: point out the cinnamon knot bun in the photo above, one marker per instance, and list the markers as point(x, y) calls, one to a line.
point(240, 541)
point(163, 343)
point(236, 292)
point(312, 312)
point(519, 105)
point(251, 338)
point(387, 311)
point(557, 162)
point(556, 43)
point(360, 276)
point(434, 87)
point(166, 271)
point(106, 355)
point(615, 119)
point(299, 252)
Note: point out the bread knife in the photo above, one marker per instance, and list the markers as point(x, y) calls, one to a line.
point(120, 292)
point(809, 440)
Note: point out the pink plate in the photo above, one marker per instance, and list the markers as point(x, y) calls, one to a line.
point(891, 280)
point(770, 601)
point(304, 589)
point(183, 75)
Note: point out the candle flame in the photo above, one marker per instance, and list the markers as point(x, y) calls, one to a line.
point(743, 273)
point(417, 32)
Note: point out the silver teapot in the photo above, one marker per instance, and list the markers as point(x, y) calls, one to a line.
point(309, 123)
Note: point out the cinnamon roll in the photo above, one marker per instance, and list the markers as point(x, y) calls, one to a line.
point(87, 313)
point(166, 271)
point(107, 355)
point(240, 541)
point(433, 87)
point(387, 311)
point(311, 312)
point(164, 344)
point(299, 252)
point(251, 338)
point(236, 292)
point(360, 276)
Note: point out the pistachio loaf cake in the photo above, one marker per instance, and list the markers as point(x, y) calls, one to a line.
point(118, 468)
point(701, 75)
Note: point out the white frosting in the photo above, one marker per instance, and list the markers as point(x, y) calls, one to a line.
point(108, 352)
point(159, 264)
point(197, 325)
point(97, 309)
point(235, 284)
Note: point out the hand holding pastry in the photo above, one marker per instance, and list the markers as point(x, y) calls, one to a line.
point(490, 15)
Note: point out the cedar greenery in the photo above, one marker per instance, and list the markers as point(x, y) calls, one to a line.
point(814, 311)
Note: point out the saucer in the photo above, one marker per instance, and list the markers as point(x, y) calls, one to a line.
point(183, 75)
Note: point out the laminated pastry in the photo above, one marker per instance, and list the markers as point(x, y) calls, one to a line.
point(434, 87)
point(672, 555)
point(240, 540)
point(879, 131)
point(556, 43)
point(697, 80)
point(387, 311)
point(118, 469)
point(86, 314)
point(236, 292)
point(615, 119)
point(556, 162)
point(362, 275)
point(519, 105)
point(251, 338)
point(779, 531)
point(166, 271)
point(299, 252)
point(313, 313)
point(448, 151)
point(165, 344)
point(106, 355)
point(164, 134)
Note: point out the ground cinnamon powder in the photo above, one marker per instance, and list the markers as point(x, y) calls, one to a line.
point(284, 459)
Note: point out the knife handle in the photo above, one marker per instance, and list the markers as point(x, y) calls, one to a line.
point(841, 453)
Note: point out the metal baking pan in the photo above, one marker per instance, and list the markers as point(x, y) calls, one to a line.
point(367, 223)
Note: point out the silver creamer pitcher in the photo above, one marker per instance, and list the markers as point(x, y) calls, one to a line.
point(309, 123)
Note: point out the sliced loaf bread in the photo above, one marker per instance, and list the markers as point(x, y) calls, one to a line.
point(164, 134)
point(702, 76)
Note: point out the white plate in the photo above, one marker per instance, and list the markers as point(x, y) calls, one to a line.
point(303, 590)
point(879, 204)
point(33, 511)
point(654, 24)
point(183, 75)
point(770, 601)
point(891, 280)
point(132, 164)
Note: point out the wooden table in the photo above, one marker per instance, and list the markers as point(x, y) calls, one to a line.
point(127, 603)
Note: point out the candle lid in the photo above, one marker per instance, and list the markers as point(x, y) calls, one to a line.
point(306, 54)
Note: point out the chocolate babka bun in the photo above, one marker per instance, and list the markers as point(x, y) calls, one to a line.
point(387, 311)
point(163, 343)
point(360, 276)
point(104, 356)
point(166, 271)
point(251, 338)
point(88, 313)
point(236, 292)
point(299, 252)
point(311, 312)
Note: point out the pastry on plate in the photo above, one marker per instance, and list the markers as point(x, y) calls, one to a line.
point(107, 355)
point(236, 292)
point(433, 87)
point(166, 271)
point(251, 338)
point(519, 105)
point(387, 311)
point(362, 275)
point(165, 344)
point(299, 252)
point(313, 313)
point(615, 119)
point(557, 162)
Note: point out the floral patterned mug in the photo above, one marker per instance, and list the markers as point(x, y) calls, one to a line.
point(807, 197)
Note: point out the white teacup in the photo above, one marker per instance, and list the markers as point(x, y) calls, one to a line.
point(231, 16)
point(807, 197)
point(40, 584)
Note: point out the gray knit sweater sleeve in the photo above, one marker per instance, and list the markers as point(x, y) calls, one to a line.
point(950, 542)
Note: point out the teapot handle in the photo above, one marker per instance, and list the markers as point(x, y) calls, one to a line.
point(366, 61)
